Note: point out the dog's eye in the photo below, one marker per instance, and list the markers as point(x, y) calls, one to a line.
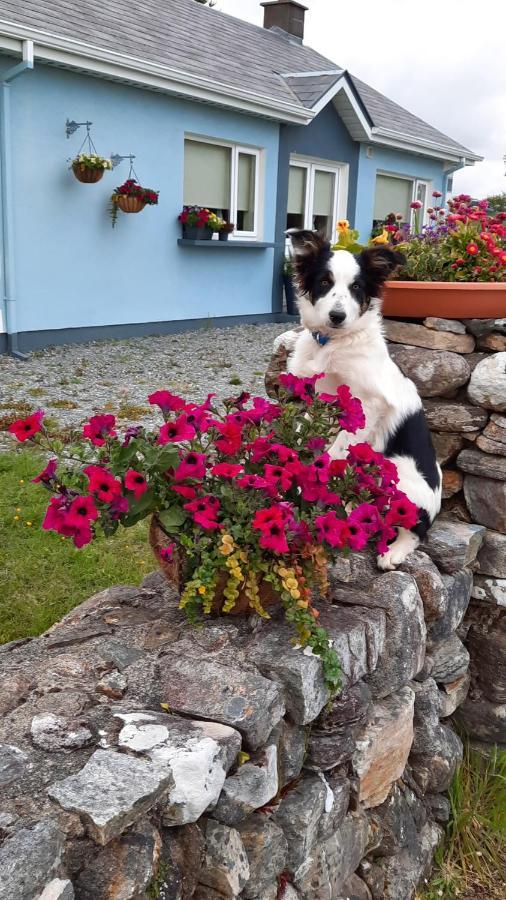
point(355, 287)
point(324, 283)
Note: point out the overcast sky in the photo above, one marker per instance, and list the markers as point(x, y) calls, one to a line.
point(444, 60)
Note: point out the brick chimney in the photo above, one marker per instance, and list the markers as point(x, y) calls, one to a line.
point(287, 15)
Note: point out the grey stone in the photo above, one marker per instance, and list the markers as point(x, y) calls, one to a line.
point(492, 556)
point(333, 818)
point(226, 867)
point(291, 742)
point(113, 685)
point(452, 325)
point(488, 383)
point(383, 747)
point(183, 855)
point(332, 739)
point(250, 703)
point(436, 373)
point(357, 568)
point(486, 642)
point(333, 862)
point(489, 590)
point(419, 336)
point(13, 764)
point(119, 655)
point(482, 719)
point(408, 868)
point(29, 859)
point(355, 889)
point(477, 463)
point(299, 675)
point(395, 822)
point(488, 445)
point(122, 869)
point(58, 889)
point(486, 501)
point(438, 807)
point(374, 877)
point(429, 582)
point(436, 749)
point(299, 815)
point(452, 695)
point(450, 659)
point(13, 690)
point(266, 849)
point(447, 446)
point(453, 545)
point(198, 754)
point(112, 791)
point(480, 327)
point(53, 733)
point(454, 417)
point(252, 786)
point(358, 637)
point(458, 593)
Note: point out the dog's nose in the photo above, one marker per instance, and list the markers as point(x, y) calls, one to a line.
point(337, 317)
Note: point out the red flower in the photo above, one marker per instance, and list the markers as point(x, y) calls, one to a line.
point(473, 249)
point(47, 474)
point(271, 523)
point(338, 467)
point(173, 432)
point(99, 428)
point(226, 470)
point(358, 536)
point(103, 484)
point(402, 513)
point(204, 512)
point(136, 483)
point(437, 194)
point(278, 476)
point(83, 508)
point(256, 482)
point(184, 490)
point(303, 388)
point(332, 530)
point(366, 516)
point(231, 438)
point(415, 204)
point(193, 465)
point(166, 401)
point(167, 552)
point(24, 429)
point(263, 411)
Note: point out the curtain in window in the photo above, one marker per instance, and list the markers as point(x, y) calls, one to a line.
point(392, 195)
point(246, 191)
point(297, 190)
point(206, 175)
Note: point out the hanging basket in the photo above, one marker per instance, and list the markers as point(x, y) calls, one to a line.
point(130, 204)
point(87, 175)
point(175, 571)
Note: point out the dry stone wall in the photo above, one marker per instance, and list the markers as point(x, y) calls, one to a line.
point(141, 757)
point(459, 368)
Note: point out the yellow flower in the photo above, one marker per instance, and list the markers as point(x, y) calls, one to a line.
point(381, 238)
point(295, 594)
point(343, 225)
point(16, 518)
point(202, 589)
point(291, 584)
point(28, 523)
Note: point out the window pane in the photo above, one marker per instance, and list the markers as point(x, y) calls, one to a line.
point(393, 195)
point(297, 180)
point(206, 175)
point(246, 192)
point(323, 201)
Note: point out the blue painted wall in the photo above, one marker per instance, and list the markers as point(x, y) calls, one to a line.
point(397, 162)
point(72, 269)
point(325, 138)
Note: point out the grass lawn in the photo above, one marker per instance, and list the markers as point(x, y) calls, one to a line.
point(42, 575)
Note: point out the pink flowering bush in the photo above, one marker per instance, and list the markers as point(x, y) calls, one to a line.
point(246, 492)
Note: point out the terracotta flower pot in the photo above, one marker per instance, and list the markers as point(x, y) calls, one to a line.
point(175, 571)
point(87, 175)
point(446, 300)
point(130, 204)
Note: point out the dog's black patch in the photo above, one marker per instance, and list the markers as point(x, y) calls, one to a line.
point(312, 263)
point(376, 266)
point(423, 525)
point(412, 438)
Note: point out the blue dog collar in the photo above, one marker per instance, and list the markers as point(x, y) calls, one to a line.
point(320, 338)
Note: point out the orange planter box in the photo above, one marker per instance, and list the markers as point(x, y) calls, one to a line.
point(446, 300)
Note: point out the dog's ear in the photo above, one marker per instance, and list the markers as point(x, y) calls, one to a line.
point(377, 265)
point(307, 243)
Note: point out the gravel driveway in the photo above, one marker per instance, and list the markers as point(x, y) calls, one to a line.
point(74, 381)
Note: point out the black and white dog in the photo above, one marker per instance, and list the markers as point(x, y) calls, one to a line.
point(340, 309)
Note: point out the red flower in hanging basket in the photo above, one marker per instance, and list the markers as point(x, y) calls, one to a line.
point(131, 197)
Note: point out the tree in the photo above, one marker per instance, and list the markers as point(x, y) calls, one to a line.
point(497, 203)
point(210, 3)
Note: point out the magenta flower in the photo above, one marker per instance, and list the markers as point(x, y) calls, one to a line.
point(135, 482)
point(99, 428)
point(174, 432)
point(331, 530)
point(193, 465)
point(166, 401)
point(47, 474)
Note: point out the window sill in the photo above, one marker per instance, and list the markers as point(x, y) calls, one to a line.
point(227, 245)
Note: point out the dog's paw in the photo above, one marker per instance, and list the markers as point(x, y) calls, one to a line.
point(386, 563)
point(404, 544)
point(287, 340)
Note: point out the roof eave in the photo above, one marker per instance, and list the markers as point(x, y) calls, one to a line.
point(68, 53)
point(412, 144)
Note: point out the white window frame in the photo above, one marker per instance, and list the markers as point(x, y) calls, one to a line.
point(339, 170)
point(236, 149)
point(415, 182)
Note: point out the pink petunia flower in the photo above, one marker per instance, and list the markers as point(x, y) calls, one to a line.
point(135, 482)
point(24, 429)
point(193, 465)
point(174, 432)
point(99, 428)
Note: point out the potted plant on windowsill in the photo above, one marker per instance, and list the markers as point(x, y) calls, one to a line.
point(225, 231)
point(89, 168)
point(290, 295)
point(455, 267)
point(198, 223)
point(131, 197)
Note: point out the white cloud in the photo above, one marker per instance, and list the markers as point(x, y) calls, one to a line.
point(443, 60)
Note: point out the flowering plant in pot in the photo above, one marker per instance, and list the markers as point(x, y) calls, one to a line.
point(131, 197)
point(246, 507)
point(89, 167)
point(198, 223)
point(226, 229)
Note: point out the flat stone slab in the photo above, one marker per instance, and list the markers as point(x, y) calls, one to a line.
point(449, 657)
point(358, 635)
point(483, 719)
point(245, 701)
point(476, 463)
point(58, 889)
point(226, 867)
point(453, 545)
point(435, 373)
point(124, 868)
point(383, 747)
point(112, 791)
point(487, 386)
point(437, 749)
point(452, 325)
point(492, 556)
point(53, 733)
point(299, 815)
point(489, 590)
point(198, 754)
point(486, 501)
point(447, 446)
point(29, 860)
point(251, 787)
point(419, 336)
point(454, 417)
point(266, 849)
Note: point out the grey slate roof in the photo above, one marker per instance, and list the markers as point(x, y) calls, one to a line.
point(203, 42)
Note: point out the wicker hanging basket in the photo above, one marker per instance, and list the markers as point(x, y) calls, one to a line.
point(87, 175)
point(130, 204)
point(175, 572)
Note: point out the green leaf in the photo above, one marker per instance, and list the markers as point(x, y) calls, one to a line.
point(171, 519)
point(165, 459)
point(141, 508)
